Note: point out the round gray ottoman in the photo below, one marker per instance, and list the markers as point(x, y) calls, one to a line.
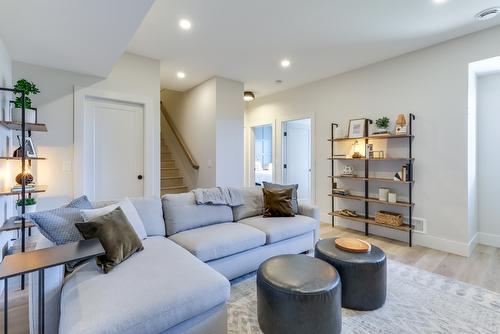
point(363, 275)
point(298, 294)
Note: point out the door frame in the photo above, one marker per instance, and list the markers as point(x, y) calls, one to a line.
point(82, 152)
point(311, 153)
point(251, 157)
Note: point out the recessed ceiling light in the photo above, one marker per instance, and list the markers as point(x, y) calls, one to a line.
point(487, 14)
point(440, 2)
point(285, 63)
point(181, 75)
point(248, 96)
point(185, 24)
point(279, 81)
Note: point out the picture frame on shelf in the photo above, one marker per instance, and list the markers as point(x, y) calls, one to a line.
point(357, 128)
point(30, 148)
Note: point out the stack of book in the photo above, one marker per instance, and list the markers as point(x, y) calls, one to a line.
point(339, 191)
point(18, 187)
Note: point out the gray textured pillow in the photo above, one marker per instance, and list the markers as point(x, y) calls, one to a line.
point(254, 204)
point(58, 225)
point(294, 187)
point(81, 202)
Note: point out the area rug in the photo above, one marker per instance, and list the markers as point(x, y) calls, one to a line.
point(417, 302)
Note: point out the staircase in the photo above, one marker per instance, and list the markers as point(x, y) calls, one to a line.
point(171, 181)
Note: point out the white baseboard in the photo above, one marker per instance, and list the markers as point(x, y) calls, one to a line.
point(489, 239)
point(424, 240)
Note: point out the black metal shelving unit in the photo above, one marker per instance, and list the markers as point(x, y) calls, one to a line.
point(25, 129)
point(366, 179)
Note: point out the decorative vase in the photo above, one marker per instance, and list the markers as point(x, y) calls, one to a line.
point(383, 194)
point(28, 209)
point(17, 115)
point(27, 176)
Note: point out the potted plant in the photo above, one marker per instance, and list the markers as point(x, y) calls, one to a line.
point(28, 88)
point(29, 203)
point(382, 126)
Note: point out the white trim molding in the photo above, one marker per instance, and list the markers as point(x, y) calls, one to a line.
point(488, 239)
point(151, 139)
point(424, 240)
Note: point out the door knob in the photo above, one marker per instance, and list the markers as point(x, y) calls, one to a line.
point(139, 177)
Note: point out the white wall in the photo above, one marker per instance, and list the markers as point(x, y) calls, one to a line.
point(488, 158)
point(431, 83)
point(209, 118)
point(229, 133)
point(6, 203)
point(132, 75)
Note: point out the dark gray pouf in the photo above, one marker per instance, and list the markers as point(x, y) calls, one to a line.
point(363, 275)
point(298, 294)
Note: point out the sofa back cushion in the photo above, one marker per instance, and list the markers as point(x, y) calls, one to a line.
point(182, 213)
point(151, 213)
point(149, 209)
point(254, 204)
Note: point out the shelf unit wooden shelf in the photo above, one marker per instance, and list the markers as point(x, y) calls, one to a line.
point(10, 225)
point(366, 179)
point(28, 126)
point(374, 159)
point(373, 138)
point(371, 200)
point(371, 221)
point(9, 192)
point(379, 179)
point(20, 158)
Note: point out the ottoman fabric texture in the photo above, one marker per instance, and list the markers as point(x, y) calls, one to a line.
point(363, 275)
point(298, 294)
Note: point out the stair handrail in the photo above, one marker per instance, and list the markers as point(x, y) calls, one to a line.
point(178, 136)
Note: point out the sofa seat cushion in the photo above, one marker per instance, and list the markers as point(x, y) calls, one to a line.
point(281, 228)
point(220, 240)
point(152, 291)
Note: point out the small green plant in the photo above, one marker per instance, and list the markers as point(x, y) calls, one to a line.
point(382, 123)
point(28, 88)
point(27, 201)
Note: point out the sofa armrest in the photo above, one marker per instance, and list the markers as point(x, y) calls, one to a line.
point(309, 210)
point(53, 279)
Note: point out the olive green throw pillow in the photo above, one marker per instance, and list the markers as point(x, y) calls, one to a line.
point(116, 235)
point(278, 202)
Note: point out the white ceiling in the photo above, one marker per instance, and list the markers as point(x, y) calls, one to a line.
point(85, 36)
point(245, 40)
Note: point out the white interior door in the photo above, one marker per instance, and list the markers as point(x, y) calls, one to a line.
point(116, 144)
point(297, 156)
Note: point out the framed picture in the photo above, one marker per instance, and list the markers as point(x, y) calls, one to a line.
point(30, 148)
point(357, 128)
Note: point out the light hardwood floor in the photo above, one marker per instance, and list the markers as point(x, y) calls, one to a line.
point(481, 269)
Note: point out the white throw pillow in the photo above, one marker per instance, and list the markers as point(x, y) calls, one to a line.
point(128, 209)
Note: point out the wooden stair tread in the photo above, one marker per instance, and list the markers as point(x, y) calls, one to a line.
point(173, 187)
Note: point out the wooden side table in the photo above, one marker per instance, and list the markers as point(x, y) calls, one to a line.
point(39, 260)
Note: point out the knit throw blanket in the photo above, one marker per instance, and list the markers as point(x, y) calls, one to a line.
point(219, 196)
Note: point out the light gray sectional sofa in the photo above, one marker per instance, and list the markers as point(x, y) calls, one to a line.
point(177, 284)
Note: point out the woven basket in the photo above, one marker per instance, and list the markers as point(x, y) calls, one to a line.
point(389, 218)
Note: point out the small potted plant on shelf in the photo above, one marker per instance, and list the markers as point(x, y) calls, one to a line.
point(28, 88)
point(382, 126)
point(29, 203)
